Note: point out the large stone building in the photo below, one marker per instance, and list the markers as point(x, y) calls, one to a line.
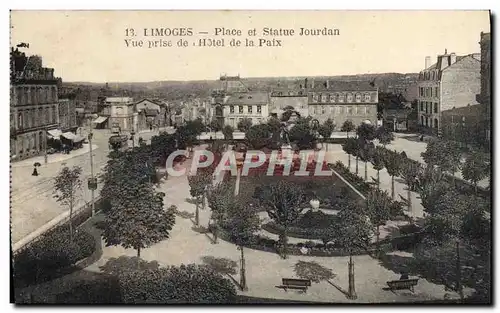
point(150, 114)
point(484, 98)
point(452, 82)
point(282, 98)
point(118, 112)
point(33, 105)
point(341, 101)
point(67, 115)
point(234, 102)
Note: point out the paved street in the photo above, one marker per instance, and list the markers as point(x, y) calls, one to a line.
point(32, 202)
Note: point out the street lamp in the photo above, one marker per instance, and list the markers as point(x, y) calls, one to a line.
point(240, 160)
point(92, 182)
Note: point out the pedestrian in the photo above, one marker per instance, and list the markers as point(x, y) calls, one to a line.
point(404, 275)
point(35, 172)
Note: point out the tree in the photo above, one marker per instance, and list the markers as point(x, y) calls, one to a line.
point(216, 126)
point(258, 136)
point(136, 218)
point(348, 127)
point(244, 124)
point(353, 235)
point(365, 154)
point(302, 134)
point(366, 132)
point(475, 168)
point(185, 284)
point(326, 130)
point(434, 152)
point(162, 146)
point(384, 136)
point(409, 172)
point(227, 131)
point(392, 162)
point(66, 185)
point(377, 160)
point(282, 202)
point(198, 187)
point(241, 224)
point(349, 147)
point(274, 125)
point(378, 208)
point(219, 199)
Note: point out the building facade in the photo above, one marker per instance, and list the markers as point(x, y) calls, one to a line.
point(341, 101)
point(149, 114)
point(234, 102)
point(118, 112)
point(282, 98)
point(452, 82)
point(67, 115)
point(484, 98)
point(33, 105)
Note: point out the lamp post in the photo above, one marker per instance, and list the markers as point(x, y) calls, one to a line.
point(92, 182)
point(45, 145)
point(132, 133)
point(240, 159)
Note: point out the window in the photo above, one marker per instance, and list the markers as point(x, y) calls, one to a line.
point(341, 110)
point(358, 97)
point(435, 107)
point(349, 97)
point(341, 97)
point(430, 92)
point(368, 110)
point(323, 109)
point(250, 109)
point(315, 98)
point(54, 115)
point(20, 120)
point(367, 97)
point(240, 109)
point(300, 93)
point(324, 98)
point(332, 109)
point(349, 110)
point(421, 106)
point(259, 109)
point(436, 94)
point(356, 109)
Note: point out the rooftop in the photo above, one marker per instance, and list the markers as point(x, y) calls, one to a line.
point(247, 98)
point(119, 100)
point(344, 86)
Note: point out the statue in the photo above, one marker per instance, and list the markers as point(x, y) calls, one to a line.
point(285, 139)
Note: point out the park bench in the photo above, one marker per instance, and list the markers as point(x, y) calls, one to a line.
point(402, 284)
point(294, 283)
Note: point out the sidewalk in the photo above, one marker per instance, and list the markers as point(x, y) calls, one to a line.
point(54, 158)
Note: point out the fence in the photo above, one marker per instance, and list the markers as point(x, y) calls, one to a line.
point(80, 216)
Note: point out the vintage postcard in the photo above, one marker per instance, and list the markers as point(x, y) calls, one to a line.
point(182, 157)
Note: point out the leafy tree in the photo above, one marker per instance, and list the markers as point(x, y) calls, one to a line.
point(409, 172)
point(392, 162)
point(378, 208)
point(384, 136)
point(452, 161)
point(136, 218)
point(353, 235)
point(185, 284)
point(258, 136)
point(302, 134)
point(365, 154)
point(219, 199)
point(274, 125)
point(434, 152)
point(198, 188)
point(244, 124)
point(241, 224)
point(349, 147)
point(216, 125)
point(66, 185)
point(186, 136)
point(366, 132)
point(228, 132)
point(475, 168)
point(282, 202)
point(326, 130)
point(377, 160)
point(348, 127)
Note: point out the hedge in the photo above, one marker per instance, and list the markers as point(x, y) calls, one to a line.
point(54, 252)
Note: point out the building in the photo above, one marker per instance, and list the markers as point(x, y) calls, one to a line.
point(341, 101)
point(452, 82)
point(282, 98)
point(484, 98)
point(33, 105)
point(118, 113)
point(150, 114)
point(67, 115)
point(234, 102)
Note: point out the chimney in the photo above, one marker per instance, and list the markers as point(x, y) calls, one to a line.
point(427, 62)
point(312, 83)
point(305, 83)
point(327, 85)
point(453, 58)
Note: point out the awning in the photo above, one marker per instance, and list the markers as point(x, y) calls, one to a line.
point(78, 138)
point(54, 133)
point(100, 119)
point(69, 135)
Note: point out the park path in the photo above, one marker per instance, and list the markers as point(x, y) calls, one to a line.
point(265, 269)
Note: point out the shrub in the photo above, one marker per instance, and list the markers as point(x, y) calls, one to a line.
point(53, 252)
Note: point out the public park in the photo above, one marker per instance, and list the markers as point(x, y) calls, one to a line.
point(399, 220)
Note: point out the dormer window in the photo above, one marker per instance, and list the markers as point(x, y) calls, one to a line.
point(249, 97)
point(367, 97)
point(349, 97)
point(358, 97)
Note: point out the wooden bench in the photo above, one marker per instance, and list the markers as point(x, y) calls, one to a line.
point(402, 284)
point(294, 283)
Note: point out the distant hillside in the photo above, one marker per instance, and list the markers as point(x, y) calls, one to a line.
point(184, 90)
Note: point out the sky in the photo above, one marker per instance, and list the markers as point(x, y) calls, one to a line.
point(90, 46)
